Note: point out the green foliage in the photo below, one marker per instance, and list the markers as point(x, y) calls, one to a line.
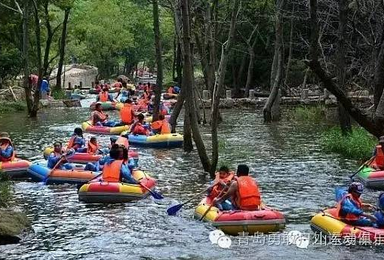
point(5, 190)
point(307, 113)
point(358, 145)
point(58, 94)
point(12, 106)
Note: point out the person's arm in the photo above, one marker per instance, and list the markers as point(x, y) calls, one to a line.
point(7, 153)
point(231, 191)
point(52, 160)
point(348, 207)
point(126, 174)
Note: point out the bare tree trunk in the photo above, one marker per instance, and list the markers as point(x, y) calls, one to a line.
point(176, 111)
point(269, 113)
point(26, 84)
point(289, 62)
point(219, 84)
point(188, 86)
point(251, 53)
point(344, 119)
point(237, 89)
point(159, 62)
point(36, 95)
point(62, 48)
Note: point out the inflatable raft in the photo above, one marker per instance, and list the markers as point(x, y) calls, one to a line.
point(156, 141)
point(371, 178)
point(75, 158)
point(39, 173)
point(108, 105)
point(234, 222)
point(149, 118)
point(105, 130)
point(327, 223)
point(170, 96)
point(115, 192)
point(16, 168)
point(95, 91)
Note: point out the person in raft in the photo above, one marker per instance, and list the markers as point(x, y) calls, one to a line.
point(126, 113)
point(93, 146)
point(77, 141)
point(104, 96)
point(378, 154)
point(243, 192)
point(58, 155)
point(99, 118)
point(379, 212)
point(115, 170)
point(350, 207)
point(161, 126)
point(219, 185)
point(7, 153)
point(138, 128)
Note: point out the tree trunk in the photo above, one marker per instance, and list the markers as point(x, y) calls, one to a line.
point(62, 48)
point(159, 61)
point(26, 84)
point(239, 80)
point(188, 86)
point(289, 62)
point(219, 84)
point(250, 69)
point(273, 114)
point(36, 94)
point(344, 119)
point(176, 111)
point(48, 42)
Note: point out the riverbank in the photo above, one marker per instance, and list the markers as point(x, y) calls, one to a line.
point(12, 106)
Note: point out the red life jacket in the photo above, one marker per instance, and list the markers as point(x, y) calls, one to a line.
point(103, 96)
point(349, 217)
point(126, 114)
point(4, 147)
point(216, 190)
point(92, 148)
point(162, 126)
point(138, 129)
point(248, 195)
point(100, 115)
point(379, 158)
point(111, 172)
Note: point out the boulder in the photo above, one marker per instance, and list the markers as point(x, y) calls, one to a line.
point(12, 226)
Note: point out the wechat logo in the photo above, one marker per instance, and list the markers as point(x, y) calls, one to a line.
point(218, 237)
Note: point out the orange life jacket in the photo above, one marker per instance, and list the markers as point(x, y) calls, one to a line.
point(71, 142)
point(126, 114)
point(103, 96)
point(216, 190)
point(162, 126)
point(379, 158)
point(92, 148)
point(138, 129)
point(102, 117)
point(4, 147)
point(248, 195)
point(348, 216)
point(111, 172)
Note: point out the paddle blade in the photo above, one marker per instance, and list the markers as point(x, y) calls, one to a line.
point(156, 195)
point(174, 209)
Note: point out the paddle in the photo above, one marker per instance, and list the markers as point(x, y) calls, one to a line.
point(361, 167)
point(174, 209)
point(209, 208)
point(54, 168)
point(154, 194)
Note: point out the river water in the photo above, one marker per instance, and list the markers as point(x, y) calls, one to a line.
point(294, 174)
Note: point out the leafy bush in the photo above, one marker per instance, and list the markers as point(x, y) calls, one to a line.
point(307, 113)
point(358, 145)
point(58, 94)
point(12, 106)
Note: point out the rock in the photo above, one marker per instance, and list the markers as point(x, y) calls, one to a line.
point(12, 226)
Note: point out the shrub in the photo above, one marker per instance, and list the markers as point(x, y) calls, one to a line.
point(358, 145)
point(307, 113)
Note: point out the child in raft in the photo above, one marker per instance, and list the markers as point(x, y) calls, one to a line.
point(58, 155)
point(7, 153)
point(219, 185)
